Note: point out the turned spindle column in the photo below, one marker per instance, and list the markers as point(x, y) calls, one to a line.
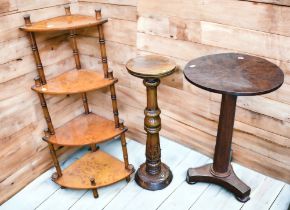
point(153, 174)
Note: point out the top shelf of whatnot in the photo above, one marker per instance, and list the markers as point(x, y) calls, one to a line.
point(62, 23)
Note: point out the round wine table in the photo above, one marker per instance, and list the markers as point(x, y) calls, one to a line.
point(231, 75)
point(153, 174)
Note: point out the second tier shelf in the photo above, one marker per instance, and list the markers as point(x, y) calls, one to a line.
point(75, 81)
point(84, 130)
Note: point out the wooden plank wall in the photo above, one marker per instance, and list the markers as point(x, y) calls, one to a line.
point(23, 155)
point(183, 30)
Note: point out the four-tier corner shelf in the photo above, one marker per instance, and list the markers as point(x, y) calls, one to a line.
point(97, 168)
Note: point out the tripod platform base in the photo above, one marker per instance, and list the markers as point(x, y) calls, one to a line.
point(228, 180)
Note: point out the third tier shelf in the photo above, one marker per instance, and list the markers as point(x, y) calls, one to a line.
point(85, 129)
point(75, 81)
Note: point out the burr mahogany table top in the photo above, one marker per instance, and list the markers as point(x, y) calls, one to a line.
point(234, 74)
point(150, 66)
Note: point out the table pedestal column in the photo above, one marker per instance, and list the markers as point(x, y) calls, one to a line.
point(221, 171)
point(153, 174)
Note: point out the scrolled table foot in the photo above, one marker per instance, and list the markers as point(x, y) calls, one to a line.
point(230, 181)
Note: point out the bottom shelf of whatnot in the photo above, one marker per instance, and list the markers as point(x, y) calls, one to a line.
point(98, 166)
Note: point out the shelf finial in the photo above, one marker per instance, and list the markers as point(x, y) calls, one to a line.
point(122, 124)
point(110, 74)
point(92, 180)
point(67, 9)
point(98, 14)
point(37, 81)
point(27, 19)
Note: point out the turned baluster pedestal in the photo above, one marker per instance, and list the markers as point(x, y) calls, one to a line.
point(231, 75)
point(153, 174)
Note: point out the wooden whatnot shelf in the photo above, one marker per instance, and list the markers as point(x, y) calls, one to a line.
point(95, 169)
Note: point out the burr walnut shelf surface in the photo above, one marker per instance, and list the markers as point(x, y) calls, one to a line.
point(84, 130)
point(75, 81)
point(67, 22)
point(104, 168)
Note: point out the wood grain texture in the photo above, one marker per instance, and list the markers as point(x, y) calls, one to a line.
point(104, 168)
point(150, 66)
point(75, 81)
point(7, 6)
point(67, 22)
point(85, 130)
point(234, 74)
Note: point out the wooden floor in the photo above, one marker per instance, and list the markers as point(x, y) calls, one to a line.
point(42, 193)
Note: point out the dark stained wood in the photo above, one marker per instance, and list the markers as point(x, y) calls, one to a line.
point(63, 23)
point(100, 166)
point(85, 129)
point(75, 82)
point(230, 182)
point(150, 66)
point(222, 155)
point(153, 174)
point(233, 73)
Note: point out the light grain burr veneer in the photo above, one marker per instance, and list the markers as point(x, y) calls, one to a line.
point(103, 168)
point(153, 174)
point(231, 75)
point(74, 82)
point(97, 168)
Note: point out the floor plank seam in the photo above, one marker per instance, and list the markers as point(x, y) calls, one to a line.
point(169, 195)
point(199, 196)
point(117, 194)
point(46, 198)
point(267, 193)
point(277, 196)
point(188, 154)
point(87, 191)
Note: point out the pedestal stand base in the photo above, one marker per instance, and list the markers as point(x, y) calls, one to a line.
point(229, 180)
point(156, 181)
